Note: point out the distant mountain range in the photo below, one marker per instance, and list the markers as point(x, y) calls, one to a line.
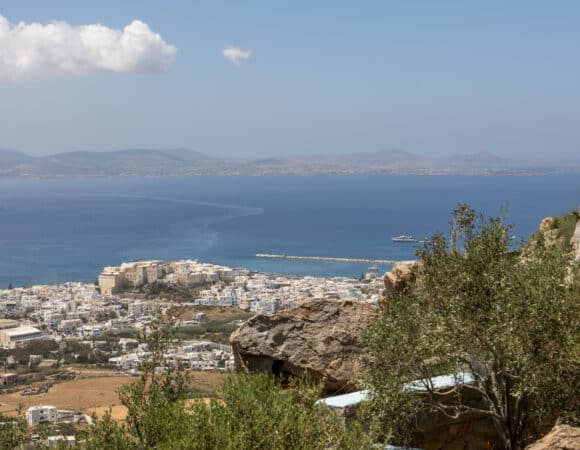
point(147, 162)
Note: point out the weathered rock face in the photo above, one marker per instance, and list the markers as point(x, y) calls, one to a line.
point(318, 337)
point(438, 432)
point(550, 230)
point(575, 242)
point(401, 276)
point(562, 437)
point(547, 224)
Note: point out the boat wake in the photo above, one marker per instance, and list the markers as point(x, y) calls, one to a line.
point(237, 210)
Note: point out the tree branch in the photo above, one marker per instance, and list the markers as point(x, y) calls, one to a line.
point(463, 409)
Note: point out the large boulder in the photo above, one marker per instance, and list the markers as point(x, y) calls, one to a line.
point(319, 337)
point(562, 437)
point(400, 277)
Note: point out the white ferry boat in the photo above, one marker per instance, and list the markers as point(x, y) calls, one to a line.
point(404, 238)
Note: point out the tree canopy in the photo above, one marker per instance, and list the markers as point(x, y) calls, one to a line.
point(479, 308)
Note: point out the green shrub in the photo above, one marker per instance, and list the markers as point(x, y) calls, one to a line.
point(250, 412)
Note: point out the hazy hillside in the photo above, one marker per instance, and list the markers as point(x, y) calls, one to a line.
point(123, 162)
point(189, 162)
point(9, 158)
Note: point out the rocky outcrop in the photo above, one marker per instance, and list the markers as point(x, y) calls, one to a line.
point(319, 337)
point(435, 431)
point(562, 437)
point(575, 242)
point(548, 232)
point(401, 276)
point(556, 232)
point(547, 224)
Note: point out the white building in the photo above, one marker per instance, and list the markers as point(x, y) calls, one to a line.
point(129, 361)
point(39, 414)
point(52, 318)
point(137, 309)
point(59, 441)
point(15, 337)
point(70, 326)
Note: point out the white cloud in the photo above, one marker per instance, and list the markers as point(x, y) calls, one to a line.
point(34, 50)
point(235, 54)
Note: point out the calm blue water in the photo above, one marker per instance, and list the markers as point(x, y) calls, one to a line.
point(59, 230)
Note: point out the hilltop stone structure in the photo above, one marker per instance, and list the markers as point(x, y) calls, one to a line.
point(401, 276)
point(319, 337)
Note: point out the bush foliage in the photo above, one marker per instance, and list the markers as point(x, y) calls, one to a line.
point(250, 412)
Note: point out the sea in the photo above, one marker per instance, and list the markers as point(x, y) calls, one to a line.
point(53, 231)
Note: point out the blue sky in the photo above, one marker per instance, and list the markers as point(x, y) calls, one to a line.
point(432, 77)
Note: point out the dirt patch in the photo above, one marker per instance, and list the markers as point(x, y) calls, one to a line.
point(118, 412)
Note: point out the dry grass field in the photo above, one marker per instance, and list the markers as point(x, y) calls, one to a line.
point(96, 394)
point(207, 383)
point(80, 395)
point(118, 412)
point(212, 312)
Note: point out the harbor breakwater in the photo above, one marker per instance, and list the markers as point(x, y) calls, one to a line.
point(326, 258)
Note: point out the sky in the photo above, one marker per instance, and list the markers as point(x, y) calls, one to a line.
point(257, 79)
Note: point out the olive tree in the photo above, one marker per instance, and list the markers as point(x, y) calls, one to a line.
point(462, 224)
point(508, 321)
